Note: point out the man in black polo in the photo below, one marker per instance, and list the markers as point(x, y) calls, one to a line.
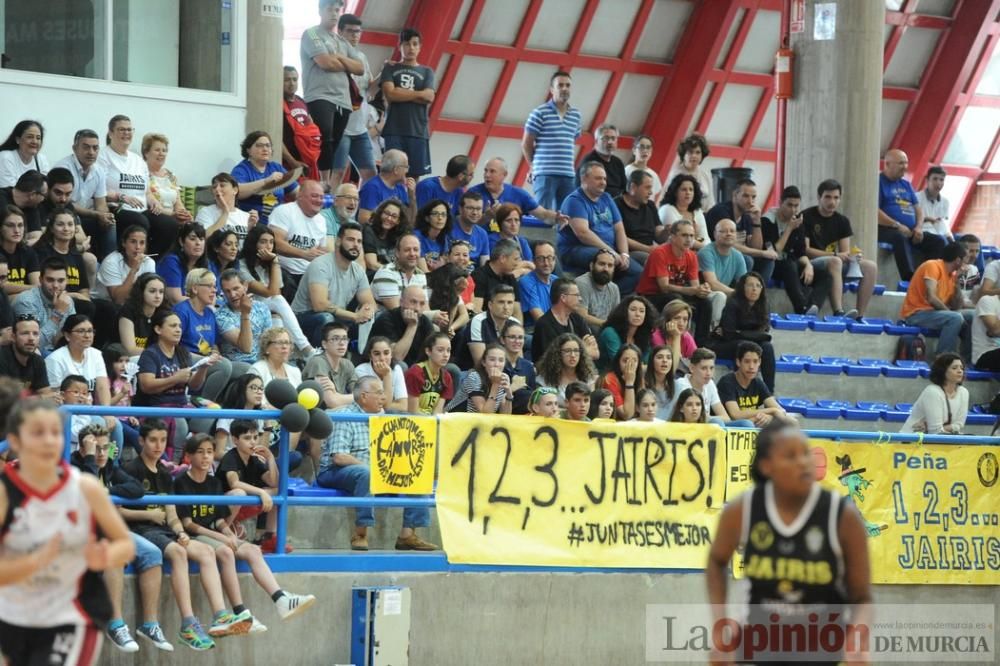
point(406, 326)
point(21, 360)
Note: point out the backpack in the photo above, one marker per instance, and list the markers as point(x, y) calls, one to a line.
point(308, 141)
point(911, 348)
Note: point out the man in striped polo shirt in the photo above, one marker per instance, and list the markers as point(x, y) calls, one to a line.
point(548, 144)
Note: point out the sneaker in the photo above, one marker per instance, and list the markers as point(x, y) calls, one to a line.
point(257, 627)
point(413, 542)
point(227, 624)
point(291, 605)
point(122, 639)
point(155, 636)
point(270, 544)
point(812, 310)
point(851, 314)
point(359, 542)
point(195, 637)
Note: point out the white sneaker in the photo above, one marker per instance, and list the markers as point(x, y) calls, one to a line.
point(812, 311)
point(122, 639)
point(291, 605)
point(155, 636)
point(257, 627)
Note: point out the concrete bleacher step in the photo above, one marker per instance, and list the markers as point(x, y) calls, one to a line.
point(331, 528)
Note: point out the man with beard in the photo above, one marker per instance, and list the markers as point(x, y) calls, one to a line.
point(343, 210)
point(21, 361)
point(330, 283)
point(48, 303)
point(598, 294)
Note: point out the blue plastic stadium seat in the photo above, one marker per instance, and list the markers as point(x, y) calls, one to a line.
point(901, 329)
point(817, 412)
point(904, 407)
point(874, 362)
point(868, 326)
point(823, 368)
point(829, 325)
point(858, 369)
point(878, 291)
point(314, 491)
point(980, 419)
point(894, 415)
point(871, 406)
point(725, 362)
point(774, 283)
point(792, 363)
point(973, 375)
point(795, 405)
point(903, 285)
point(885, 246)
point(865, 411)
point(789, 324)
point(901, 371)
point(532, 221)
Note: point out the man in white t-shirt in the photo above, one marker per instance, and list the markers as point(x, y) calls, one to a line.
point(986, 334)
point(701, 380)
point(299, 234)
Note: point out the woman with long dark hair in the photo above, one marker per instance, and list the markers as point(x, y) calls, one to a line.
point(788, 521)
point(187, 254)
point(387, 223)
point(247, 392)
point(631, 322)
point(135, 321)
point(486, 388)
point(660, 375)
point(259, 267)
point(447, 283)
point(120, 269)
point(58, 239)
point(624, 380)
point(746, 317)
point(565, 361)
point(22, 262)
point(689, 408)
point(682, 200)
point(432, 227)
point(223, 250)
point(943, 405)
point(21, 152)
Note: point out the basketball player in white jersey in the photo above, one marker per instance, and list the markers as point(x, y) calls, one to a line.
point(58, 530)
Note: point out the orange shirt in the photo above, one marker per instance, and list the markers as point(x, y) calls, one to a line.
point(916, 295)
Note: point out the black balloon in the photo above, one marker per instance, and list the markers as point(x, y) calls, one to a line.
point(294, 417)
point(280, 392)
point(320, 426)
point(314, 385)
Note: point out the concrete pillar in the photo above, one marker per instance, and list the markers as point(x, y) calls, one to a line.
point(834, 121)
point(264, 74)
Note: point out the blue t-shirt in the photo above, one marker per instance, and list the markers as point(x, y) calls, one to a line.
point(526, 253)
point(511, 194)
point(245, 172)
point(375, 191)
point(197, 331)
point(534, 294)
point(602, 216)
point(478, 238)
point(432, 249)
point(161, 366)
point(430, 189)
point(897, 200)
point(727, 268)
point(172, 271)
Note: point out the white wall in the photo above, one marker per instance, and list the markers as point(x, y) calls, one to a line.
point(204, 138)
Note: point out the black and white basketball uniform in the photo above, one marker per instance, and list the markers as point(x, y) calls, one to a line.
point(54, 617)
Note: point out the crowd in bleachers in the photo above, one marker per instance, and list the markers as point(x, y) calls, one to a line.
point(343, 260)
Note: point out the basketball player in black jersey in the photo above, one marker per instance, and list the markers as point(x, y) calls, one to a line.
point(52, 598)
point(805, 550)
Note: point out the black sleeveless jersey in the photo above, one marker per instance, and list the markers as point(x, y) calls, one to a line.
point(798, 565)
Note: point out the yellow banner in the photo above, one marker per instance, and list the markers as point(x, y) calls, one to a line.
point(403, 450)
point(533, 491)
point(930, 510)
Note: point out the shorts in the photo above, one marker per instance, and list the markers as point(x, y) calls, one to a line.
point(821, 263)
point(147, 554)
point(214, 543)
point(67, 644)
point(160, 536)
point(416, 148)
point(358, 148)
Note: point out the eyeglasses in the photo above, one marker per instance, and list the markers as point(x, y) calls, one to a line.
point(569, 352)
point(543, 257)
point(103, 449)
point(82, 331)
point(262, 145)
point(255, 387)
point(438, 213)
point(391, 216)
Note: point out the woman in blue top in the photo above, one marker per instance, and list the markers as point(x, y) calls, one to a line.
point(198, 329)
point(506, 224)
point(433, 226)
point(187, 253)
point(258, 175)
point(223, 250)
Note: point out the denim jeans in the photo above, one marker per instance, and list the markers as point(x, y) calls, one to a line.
point(948, 322)
point(147, 555)
point(578, 258)
point(551, 190)
point(353, 480)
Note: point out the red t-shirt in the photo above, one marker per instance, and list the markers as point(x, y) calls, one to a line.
point(662, 262)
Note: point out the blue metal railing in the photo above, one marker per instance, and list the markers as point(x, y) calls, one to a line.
point(283, 500)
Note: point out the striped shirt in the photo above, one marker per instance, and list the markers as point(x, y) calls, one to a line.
point(554, 139)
